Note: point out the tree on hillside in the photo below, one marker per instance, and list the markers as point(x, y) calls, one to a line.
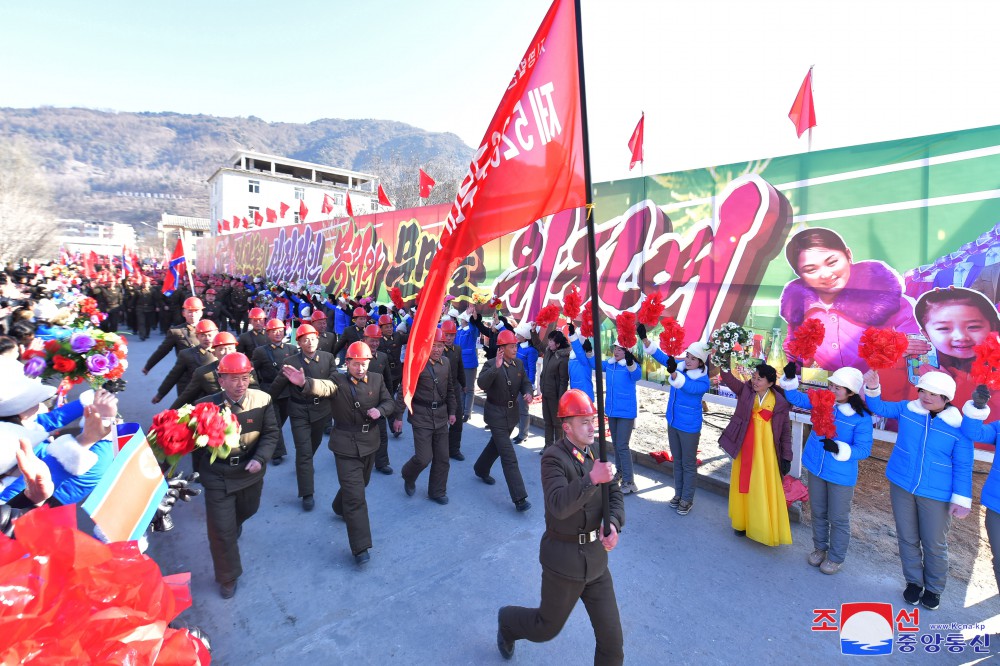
point(401, 179)
point(27, 226)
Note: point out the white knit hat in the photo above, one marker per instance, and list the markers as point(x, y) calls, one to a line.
point(465, 316)
point(19, 394)
point(850, 378)
point(524, 330)
point(699, 350)
point(939, 383)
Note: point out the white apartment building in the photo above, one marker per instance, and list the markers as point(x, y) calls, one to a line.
point(252, 182)
point(104, 238)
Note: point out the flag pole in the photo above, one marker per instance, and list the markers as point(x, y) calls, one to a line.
point(187, 264)
point(592, 270)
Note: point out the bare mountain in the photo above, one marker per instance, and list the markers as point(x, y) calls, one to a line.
point(130, 167)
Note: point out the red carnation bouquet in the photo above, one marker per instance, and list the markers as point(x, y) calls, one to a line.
point(672, 337)
point(587, 323)
point(822, 412)
point(176, 433)
point(625, 323)
point(986, 366)
point(882, 348)
point(572, 303)
point(650, 310)
point(547, 315)
point(806, 339)
point(396, 296)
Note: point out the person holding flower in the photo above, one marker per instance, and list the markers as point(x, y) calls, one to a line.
point(975, 412)
point(833, 461)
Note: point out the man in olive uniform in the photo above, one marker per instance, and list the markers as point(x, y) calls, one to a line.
point(392, 344)
point(267, 361)
point(128, 305)
point(434, 405)
point(237, 306)
point(379, 365)
point(189, 360)
point(215, 310)
point(357, 400)
point(502, 380)
point(454, 355)
point(574, 549)
point(233, 485)
point(205, 379)
point(254, 336)
point(352, 334)
point(309, 416)
point(145, 310)
point(327, 340)
point(554, 382)
point(178, 337)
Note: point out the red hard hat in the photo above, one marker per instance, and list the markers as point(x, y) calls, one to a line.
point(235, 364)
point(449, 326)
point(274, 325)
point(256, 313)
point(439, 335)
point(373, 331)
point(205, 326)
point(384, 319)
point(575, 402)
point(506, 337)
point(359, 312)
point(224, 338)
point(305, 329)
point(193, 303)
point(319, 314)
point(210, 291)
point(359, 351)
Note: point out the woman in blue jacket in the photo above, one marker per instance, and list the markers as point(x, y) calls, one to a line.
point(833, 464)
point(930, 480)
point(527, 351)
point(581, 364)
point(621, 372)
point(976, 411)
point(467, 340)
point(688, 383)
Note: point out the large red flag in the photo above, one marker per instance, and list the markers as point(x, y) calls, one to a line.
point(327, 205)
point(303, 211)
point(635, 143)
point(383, 198)
point(283, 209)
point(350, 208)
point(271, 215)
point(803, 114)
point(529, 164)
point(258, 219)
point(426, 184)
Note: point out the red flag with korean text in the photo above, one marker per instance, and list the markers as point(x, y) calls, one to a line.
point(529, 164)
point(327, 205)
point(350, 208)
point(383, 198)
point(303, 211)
point(426, 184)
point(635, 143)
point(803, 113)
point(283, 209)
point(271, 215)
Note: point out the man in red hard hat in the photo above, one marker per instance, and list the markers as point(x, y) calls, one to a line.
point(392, 344)
point(189, 360)
point(358, 400)
point(179, 337)
point(454, 355)
point(254, 336)
point(574, 549)
point(327, 340)
point(267, 361)
point(353, 333)
point(309, 415)
point(379, 365)
point(502, 380)
point(233, 485)
point(205, 379)
point(215, 310)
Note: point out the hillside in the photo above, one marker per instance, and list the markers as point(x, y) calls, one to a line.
point(130, 167)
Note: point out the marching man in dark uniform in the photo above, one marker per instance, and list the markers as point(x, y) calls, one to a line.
point(434, 406)
point(502, 379)
point(392, 344)
point(380, 366)
point(454, 356)
point(233, 486)
point(357, 400)
point(178, 337)
point(574, 549)
point(205, 380)
point(355, 333)
point(189, 360)
point(145, 309)
point(267, 361)
point(309, 416)
point(255, 336)
point(327, 340)
point(215, 310)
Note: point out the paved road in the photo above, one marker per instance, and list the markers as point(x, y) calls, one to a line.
point(688, 589)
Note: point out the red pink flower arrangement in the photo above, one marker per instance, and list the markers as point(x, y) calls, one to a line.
point(176, 433)
point(90, 355)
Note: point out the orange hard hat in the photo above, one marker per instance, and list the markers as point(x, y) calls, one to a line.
point(359, 351)
point(438, 335)
point(575, 402)
point(373, 331)
point(274, 325)
point(235, 364)
point(193, 303)
point(256, 313)
point(506, 337)
point(449, 327)
point(384, 319)
point(319, 314)
point(224, 338)
point(205, 326)
point(359, 312)
point(305, 329)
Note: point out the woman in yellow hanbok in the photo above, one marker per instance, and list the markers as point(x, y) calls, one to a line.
point(759, 439)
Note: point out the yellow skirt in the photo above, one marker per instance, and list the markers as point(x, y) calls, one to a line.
point(762, 512)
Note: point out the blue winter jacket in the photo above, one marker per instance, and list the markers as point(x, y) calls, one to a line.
point(931, 457)
point(465, 340)
point(854, 440)
point(581, 369)
point(529, 356)
point(987, 433)
point(619, 389)
point(684, 403)
point(341, 320)
point(75, 470)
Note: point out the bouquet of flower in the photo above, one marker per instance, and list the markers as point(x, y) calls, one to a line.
point(986, 366)
point(480, 298)
point(87, 314)
point(806, 339)
point(176, 433)
point(821, 415)
point(90, 355)
point(881, 348)
point(672, 337)
point(587, 323)
point(572, 303)
point(547, 315)
point(730, 341)
point(651, 309)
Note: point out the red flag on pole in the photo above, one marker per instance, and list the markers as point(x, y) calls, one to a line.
point(327, 205)
point(258, 219)
point(350, 208)
point(271, 215)
point(225, 224)
point(176, 268)
point(635, 143)
point(529, 171)
point(303, 211)
point(426, 184)
point(383, 198)
point(218, 227)
point(236, 222)
point(246, 223)
point(803, 114)
point(283, 209)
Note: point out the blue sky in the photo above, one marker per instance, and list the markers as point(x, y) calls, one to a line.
point(716, 79)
